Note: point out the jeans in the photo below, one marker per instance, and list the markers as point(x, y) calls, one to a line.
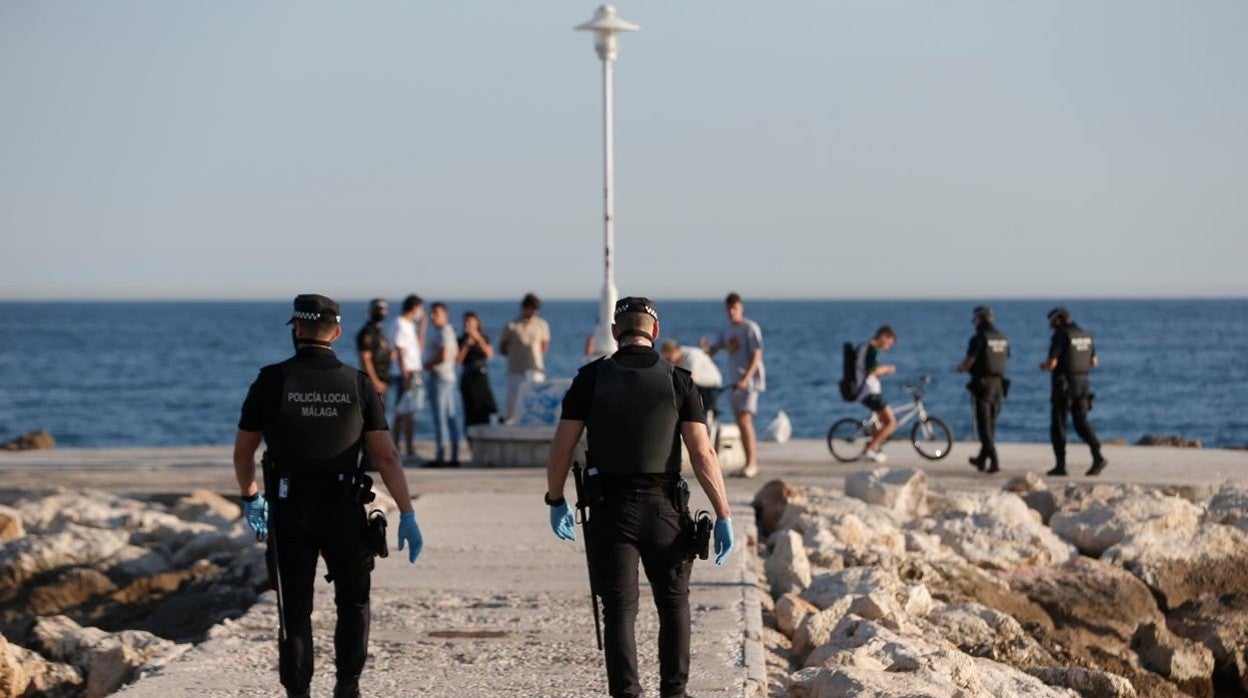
point(445, 415)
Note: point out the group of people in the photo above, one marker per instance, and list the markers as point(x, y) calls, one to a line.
point(418, 357)
point(1071, 356)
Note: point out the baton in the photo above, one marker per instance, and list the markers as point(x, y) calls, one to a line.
point(582, 511)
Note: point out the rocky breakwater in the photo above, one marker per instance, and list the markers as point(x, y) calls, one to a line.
point(893, 588)
point(97, 589)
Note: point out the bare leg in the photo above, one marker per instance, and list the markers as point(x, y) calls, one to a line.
point(745, 421)
point(888, 424)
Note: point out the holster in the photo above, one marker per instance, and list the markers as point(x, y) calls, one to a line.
point(695, 529)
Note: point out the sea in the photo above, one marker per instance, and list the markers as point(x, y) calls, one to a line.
point(174, 373)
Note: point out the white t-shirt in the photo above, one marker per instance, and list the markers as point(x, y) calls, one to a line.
point(437, 340)
point(705, 373)
point(404, 338)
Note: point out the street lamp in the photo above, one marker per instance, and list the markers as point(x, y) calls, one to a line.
point(605, 25)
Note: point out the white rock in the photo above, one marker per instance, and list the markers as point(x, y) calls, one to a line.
point(999, 531)
point(215, 543)
point(1187, 664)
point(1101, 525)
point(108, 660)
point(790, 611)
point(826, 590)
point(1180, 565)
point(1089, 683)
point(985, 632)
point(1229, 506)
point(25, 673)
point(26, 557)
point(133, 562)
point(816, 628)
point(1027, 482)
point(205, 506)
point(902, 491)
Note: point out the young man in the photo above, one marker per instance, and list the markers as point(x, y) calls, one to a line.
point(405, 371)
point(524, 342)
point(706, 376)
point(871, 393)
point(441, 350)
point(743, 339)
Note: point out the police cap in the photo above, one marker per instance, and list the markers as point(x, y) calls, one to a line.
point(314, 307)
point(1059, 312)
point(982, 313)
point(636, 304)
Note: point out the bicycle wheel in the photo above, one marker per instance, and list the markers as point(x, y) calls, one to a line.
point(847, 439)
point(932, 438)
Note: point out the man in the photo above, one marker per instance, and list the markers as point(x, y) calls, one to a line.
point(314, 414)
point(636, 408)
point(986, 356)
point(374, 347)
point(743, 339)
point(869, 370)
point(524, 342)
point(441, 350)
point(405, 371)
point(706, 376)
point(1071, 356)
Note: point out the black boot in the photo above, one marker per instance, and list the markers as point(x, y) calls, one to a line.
point(993, 466)
point(347, 688)
point(977, 461)
point(1098, 464)
point(1058, 470)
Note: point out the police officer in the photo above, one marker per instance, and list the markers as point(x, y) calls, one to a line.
point(374, 347)
point(1071, 356)
point(986, 355)
point(314, 413)
point(637, 408)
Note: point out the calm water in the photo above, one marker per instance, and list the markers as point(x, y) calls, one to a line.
point(132, 374)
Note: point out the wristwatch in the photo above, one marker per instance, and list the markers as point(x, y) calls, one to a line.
point(552, 502)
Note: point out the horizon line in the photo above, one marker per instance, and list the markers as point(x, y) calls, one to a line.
point(766, 298)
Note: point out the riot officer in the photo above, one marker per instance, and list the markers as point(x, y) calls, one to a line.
point(314, 414)
point(1071, 356)
point(637, 408)
point(986, 355)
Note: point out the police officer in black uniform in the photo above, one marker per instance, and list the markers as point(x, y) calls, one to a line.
point(637, 408)
point(314, 414)
point(1071, 356)
point(986, 355)
point(374, 347)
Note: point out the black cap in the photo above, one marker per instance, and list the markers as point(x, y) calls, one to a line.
point(982, 312)
point(1057, 312)
point(314, 307)
point(636, 304)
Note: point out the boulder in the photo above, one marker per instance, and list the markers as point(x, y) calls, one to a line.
point(816, 629)
point(827, 589)
point(1034, 493)
point(1167, 440)
point(1029, 481)
point(868, 683)
point(25, 673)
point(1221, 624)
point(1089, 683)
point(22, 559)
point(1089, 595)
point(903, 491)
point(1180, 565)
point(132, 562)
point(10, 524)
point(1229, 506)
point(1189, 665)
point(216, 545)
point(68, 589)
point(770, 502)
point(147, 523)
point(205, 506)
point(790, 611)
point(787, 568)
point(1102, 525)
point(999, 531)
point(29, 441)
point(985, 632)
point(108, 660)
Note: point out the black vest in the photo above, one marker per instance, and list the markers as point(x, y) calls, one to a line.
point(320, 426)
point(1076, 356)
point(992, 354)
point(634, 421)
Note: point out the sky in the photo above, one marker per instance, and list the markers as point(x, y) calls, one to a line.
point(820, 149)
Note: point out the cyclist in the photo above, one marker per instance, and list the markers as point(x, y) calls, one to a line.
point(868, 371)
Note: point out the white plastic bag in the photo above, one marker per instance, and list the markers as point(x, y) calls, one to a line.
point(780, 429)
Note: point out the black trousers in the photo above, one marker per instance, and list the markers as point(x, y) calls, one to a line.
point(318, 517)
point(628, 526)
point(1071, 396)
point(987, 393)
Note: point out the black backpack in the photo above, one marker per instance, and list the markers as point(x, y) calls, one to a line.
point(849, 370)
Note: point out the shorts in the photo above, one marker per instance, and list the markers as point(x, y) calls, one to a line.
point(875, 402)
point(745, 401)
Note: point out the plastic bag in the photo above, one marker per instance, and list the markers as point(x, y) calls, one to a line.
point(407, 403)
point(780, 429)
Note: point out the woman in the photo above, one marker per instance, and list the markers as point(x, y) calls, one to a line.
point(474, 354)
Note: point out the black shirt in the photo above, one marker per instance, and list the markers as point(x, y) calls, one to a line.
point(372, 337)
point(580, 398)
point(264, 398)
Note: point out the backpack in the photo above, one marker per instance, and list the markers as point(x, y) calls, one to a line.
point(849, 384)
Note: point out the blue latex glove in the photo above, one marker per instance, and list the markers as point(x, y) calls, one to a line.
point(409, 533)
point(723, 540)
point(562, 521)
point(257, 514)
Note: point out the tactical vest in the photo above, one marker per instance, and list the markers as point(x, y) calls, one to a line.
point(1077, 359)
point(993, 354)
point(320, 426)
point(634, 421)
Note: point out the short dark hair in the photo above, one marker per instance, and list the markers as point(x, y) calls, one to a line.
point(530, 301)
point(412, 301)
point(315, 329)
point(437, 305)
point(885, 331)
point(732, 299)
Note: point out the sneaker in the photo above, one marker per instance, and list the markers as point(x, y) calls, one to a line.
point(1097, 466)
point(1057, 472)
point(874, 456)
point(748, 471)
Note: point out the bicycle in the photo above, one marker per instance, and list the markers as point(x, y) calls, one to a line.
point(930, 436)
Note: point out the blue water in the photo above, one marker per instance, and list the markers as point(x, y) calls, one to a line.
point(175, 373)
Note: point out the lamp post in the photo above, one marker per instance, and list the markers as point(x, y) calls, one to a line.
point(606, 25)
